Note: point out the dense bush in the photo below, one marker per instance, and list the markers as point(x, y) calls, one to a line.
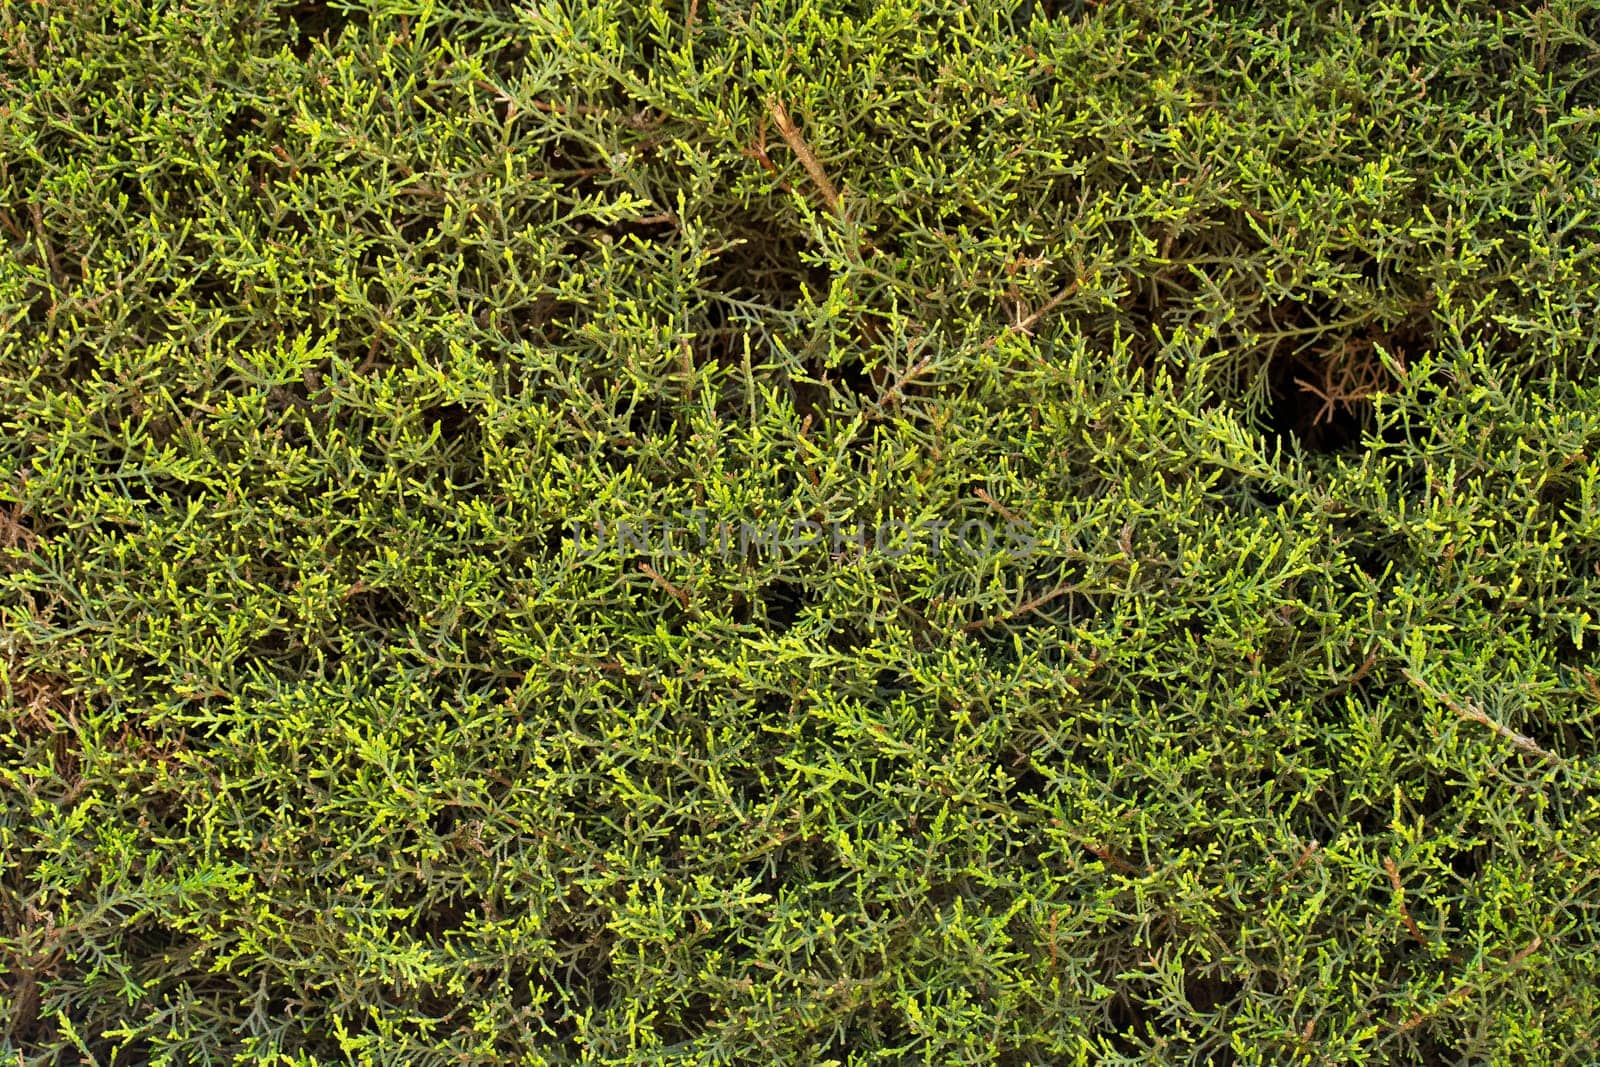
point(335, 732)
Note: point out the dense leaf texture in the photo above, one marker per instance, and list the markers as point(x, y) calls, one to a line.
point(327, 740)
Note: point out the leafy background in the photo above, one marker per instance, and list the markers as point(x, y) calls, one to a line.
point(325, 325)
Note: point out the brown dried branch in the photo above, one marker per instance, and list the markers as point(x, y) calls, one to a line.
point(1026, 325)
point(983, 495)
point(1022, 609)
point(1465, 989)
point(1400, 899)
point(1349, 376)
point(56, 273)
point(1476, 714)
point(655, 576)
point(13, 532)
point(808, 159)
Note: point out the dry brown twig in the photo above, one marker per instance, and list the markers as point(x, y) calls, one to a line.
point(1022, 609)
point(13, 532)
point(1466, 989)
point(57, 275)
point(1026, 325)
point(1476, 714)
point(655, 576)
point(1400, 899)
point(893, 394)
point(808, 159)
point(1351, 375)
point(983, 495)
point(1305, 855)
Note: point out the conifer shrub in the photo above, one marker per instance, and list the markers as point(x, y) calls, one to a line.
point(399, 665)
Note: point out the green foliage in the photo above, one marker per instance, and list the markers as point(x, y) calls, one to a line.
point(325, 326)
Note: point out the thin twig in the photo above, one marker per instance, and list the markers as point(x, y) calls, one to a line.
point(562, 109)
point(892, 394)
point(13, 532)
point(1467, 988)
point(1111, 858)
point(1022, 609)
point(1400, 899)
point(654, 576)
point(1363, 670)
point(1105, 855)
point(1026, 325)
point(984, 496)
point(686, 361)
point(1309, 851)
point(56, 273)
point(802, 150)
point(1476, 714)
point(11, 226)
point(758, 149)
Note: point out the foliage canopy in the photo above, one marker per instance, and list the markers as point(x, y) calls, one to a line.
point(326, 741)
